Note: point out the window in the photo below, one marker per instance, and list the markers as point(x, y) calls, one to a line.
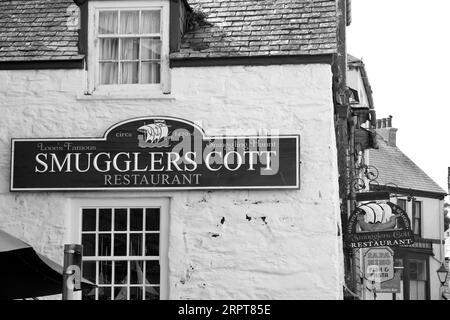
point(417, 217)
point(417, 279)
point(402, 204)
point(124, 249)
point(128, 46)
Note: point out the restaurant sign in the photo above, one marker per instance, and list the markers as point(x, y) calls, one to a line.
point(156, 153)
point(378, 224)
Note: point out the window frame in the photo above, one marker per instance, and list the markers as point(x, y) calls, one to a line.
point(93, 75)
point(417, 219)
point(405, 202)
point(75, 231)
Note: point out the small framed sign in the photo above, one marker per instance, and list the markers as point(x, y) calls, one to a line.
point(156, 153)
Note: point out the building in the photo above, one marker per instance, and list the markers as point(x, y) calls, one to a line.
point(382, 168)
point(423, 200)
point(78, 78)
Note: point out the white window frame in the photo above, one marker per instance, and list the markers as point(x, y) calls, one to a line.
point(75, 228)
point(93, 83)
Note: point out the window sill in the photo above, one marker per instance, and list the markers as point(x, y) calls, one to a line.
point(125, 96)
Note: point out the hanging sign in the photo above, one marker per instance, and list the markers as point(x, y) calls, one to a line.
point(380, 271)
point(156, 153)
point(378, 224)
point(379, 264)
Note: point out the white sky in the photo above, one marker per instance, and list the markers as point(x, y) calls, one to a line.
point(405, 46)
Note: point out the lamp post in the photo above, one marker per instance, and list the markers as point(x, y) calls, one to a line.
point(442, 275)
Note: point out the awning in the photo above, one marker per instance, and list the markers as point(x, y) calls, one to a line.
point(24, 273)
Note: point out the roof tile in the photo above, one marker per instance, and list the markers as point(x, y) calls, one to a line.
point(37, 30)
point(395, 168)
point(275, 27)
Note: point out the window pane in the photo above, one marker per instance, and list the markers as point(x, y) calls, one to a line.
point(88, 294)
point(104, 272)
point(104, 219)
point(152, 272)
point(152, 244)
point(152, 219)
point(130, 72)
point(137, 275)
point(120, 219)
point(89, 270)
point(120, 293)
point(135, 244)
point(120, 244)
point(121, 272)
point(104, 293)
point(416, 224)
point(88, 219)
point(136, 219)
point(150, 72)
point(107, 22)
point(109, 49)
point(129, 22)
point(151, 49)
point(402, 204)
point(88, 242)
point(136, 293)
point(150, 21)
point(151, 293)
point(104, 244)
point(108, 72)
point(129, 49)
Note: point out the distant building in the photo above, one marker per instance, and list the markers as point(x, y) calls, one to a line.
point(423, 199)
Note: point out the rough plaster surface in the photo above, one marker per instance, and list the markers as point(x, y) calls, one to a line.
point(271, 245)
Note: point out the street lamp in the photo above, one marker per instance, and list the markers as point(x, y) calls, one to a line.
point(442, 275)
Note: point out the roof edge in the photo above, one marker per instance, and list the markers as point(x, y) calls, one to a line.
point(250, 60)
point(42, 64)
point(412, 192)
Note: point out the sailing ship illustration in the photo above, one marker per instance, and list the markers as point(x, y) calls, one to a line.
point(154, 134)
point(376, 217)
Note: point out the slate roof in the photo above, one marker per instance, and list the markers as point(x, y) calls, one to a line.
point(262, 28)
point(40, 29)
point(37, 30)
point(395, 167)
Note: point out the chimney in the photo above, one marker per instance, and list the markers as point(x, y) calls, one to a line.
point(385, 130)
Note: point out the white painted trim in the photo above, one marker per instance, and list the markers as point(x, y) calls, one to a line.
point(93, 49)
point(73, 234)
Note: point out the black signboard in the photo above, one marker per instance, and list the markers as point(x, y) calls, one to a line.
point(378, 224)
point(156, 153)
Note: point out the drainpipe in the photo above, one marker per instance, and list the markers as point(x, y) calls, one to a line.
point(343, 133)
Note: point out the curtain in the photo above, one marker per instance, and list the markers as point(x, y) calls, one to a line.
point(107, 22)
point(150, 22)
point(131, 71)
point(129, 22)
point(151, 50)
point(130, 51)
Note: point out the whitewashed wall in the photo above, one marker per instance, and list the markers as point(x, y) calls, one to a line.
point(296, 255)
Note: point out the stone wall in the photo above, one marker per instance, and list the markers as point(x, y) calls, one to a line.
point(272, 245)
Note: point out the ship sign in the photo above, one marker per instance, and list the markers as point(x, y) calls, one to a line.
point(154, 135)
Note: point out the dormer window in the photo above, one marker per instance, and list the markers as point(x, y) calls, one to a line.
point(128, 47)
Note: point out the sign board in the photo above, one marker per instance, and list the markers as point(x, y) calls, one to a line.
point(393, 285)
point(379, 264)
point(380, 271)
point(378, 224)
point(156, 153)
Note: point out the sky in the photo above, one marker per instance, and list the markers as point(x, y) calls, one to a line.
point(405, 46)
